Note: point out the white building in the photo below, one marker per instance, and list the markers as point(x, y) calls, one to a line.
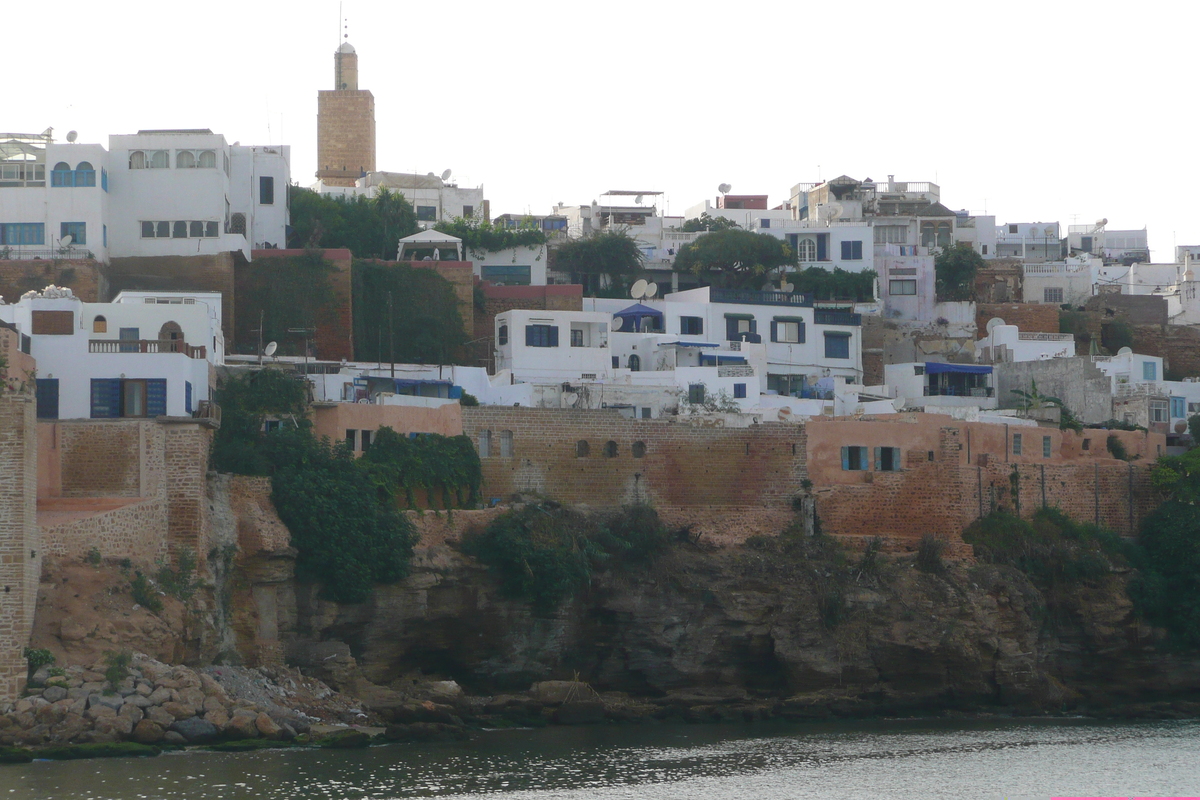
point(434, 199)
point(1071, 281)
point(1114, 246)
point(932, 386)
point(154, 193)
point(1032, 242)
point(143, 355)
point(1005, 343)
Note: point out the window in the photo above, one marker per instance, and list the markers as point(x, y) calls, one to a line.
point(837, 345)
point(806, 249)
point(1016, 447)
point(158, 159)
point(210, 229)
point(207, 160)
point(902, 287)
point(352, 438)
point(691, 326)
point(52, 323)
point(984, 249)
point(645, 412)
point(185, 159)
point(887, 459)
point(1149, 371)
point(485, 444)
point(635, 363)
point(638, 449)
point(610, 449)
point(616, 362)
point(1178, 407)
point(541, 336)
point(1087, 444)
point(1052, 294)
point(935, 234)
point(237, 223)
point(854, 459)
point(76, 230)
point(787, 329)
point(196, 229)
point(737, 326)
point(131, 335)
point(112, 398)
point(266, 190)
point(468, 212)
point(1045, 447)
point(739, 391)
point(187, 396)
point(764, 223)
point(366, 441)
point(852, 251)
point(696, 393)
point(104, 234)
point(1159, 411)
point(582, 449)
point(47, 398)
point(506, 444)
point(507, 274)
point(99, 325)
point(137, 159)
point(179, 230)
point(19, 233)
point(891, 234)
point(427, 213)
point(502, 335)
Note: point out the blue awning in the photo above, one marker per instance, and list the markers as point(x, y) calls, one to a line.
point(718, 359)
point(933, 368)
point(688, 344)
point(637, 312)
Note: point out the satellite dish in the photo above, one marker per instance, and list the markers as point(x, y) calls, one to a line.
point(1049, 231)
point(639, 289)
point(617, 323)
point(637, 199)
point(1181, 427)
point(446, 175)
point(66, 240)
point(784, 286)
point(270, 349)
point(572, 399)
point(430, 175)
point(1125, 351)
point(724, 188)
point(833, 211)
point(72, 136)
point(993, 323)
point(651, 290)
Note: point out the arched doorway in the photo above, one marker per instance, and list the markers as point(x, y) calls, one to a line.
point(171, 337)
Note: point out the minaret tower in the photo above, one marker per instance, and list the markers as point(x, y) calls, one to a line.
point(345, 124)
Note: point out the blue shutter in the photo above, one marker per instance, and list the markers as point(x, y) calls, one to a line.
point(822, 246)
point(156, 397)
point(106, 398)
point(187, 396)
point(800, 332)
point(47, 398)
point(846, 458)
point(774, 331)
point(529, 336)
point(554, 336)
point(878, 459)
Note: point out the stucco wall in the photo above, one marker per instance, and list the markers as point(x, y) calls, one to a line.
point(1082, 387)
point(334, 419)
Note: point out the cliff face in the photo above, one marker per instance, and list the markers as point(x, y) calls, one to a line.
point(752, 623)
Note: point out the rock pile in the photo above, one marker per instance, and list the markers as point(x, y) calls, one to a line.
point(158, 703)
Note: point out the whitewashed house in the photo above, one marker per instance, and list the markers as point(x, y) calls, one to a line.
point(142, 355)
point(434, 199)
point(933, 386)
point(1006, 343)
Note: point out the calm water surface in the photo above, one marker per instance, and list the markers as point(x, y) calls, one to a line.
point(918, 759)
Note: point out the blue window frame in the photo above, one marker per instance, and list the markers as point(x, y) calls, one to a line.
point(76, 230)
point(47, 398)
point(187, 396)
point(104, 179)
point(130, 335)
point(104, 236)
point(852, 251)
point(106, 398)
point(1149, 371)
point(156, 397)
point(837, 345)
point(854, 459)
point(18, 233)
point(541, 336)
point(1178, 407)
point(739, 390)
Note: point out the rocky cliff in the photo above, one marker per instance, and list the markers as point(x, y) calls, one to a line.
point(797, 628)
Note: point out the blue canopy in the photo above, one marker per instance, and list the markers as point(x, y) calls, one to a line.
point(637, 312)
point(933, 368)
point(689, 344)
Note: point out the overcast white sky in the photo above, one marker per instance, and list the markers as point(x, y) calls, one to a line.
point(1035, 111)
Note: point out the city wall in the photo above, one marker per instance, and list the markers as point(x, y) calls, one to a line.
point(20, 540)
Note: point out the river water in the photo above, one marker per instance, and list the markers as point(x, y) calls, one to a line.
point(766, 761)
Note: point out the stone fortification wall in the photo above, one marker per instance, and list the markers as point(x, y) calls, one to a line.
point(134, 530)
point(20, 542)
point(199, 273)
point(600, 458)
point(1028, 317)
point(81, 275)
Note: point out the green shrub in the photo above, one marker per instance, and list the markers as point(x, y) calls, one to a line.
point(468, 400)
point(180, 582)
point(116, 667)
point(1117, 448)
point(929, 555)
point(871, 557)
point(1167, 588)
point(144, 593)
point(37, 658)
point(93, 557)
point(445, 465)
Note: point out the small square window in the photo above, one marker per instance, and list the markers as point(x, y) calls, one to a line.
point(1016, 446)
point(1149, 371)
point(764, 223)
point(576, 337)
point(1045, 447)
point(1052, 294)
point(696, 393)
point(468, 212)
point(837, 345)
point(854, 459)
point(1087, 444)
point(266, 190)
point(902, 287)
point(739, 390)
point(427, 213)
point(691, 326)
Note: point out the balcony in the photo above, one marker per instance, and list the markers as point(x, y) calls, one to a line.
point(757, 298)
point(1046, 337)
point(824, 317)
point(17, 252)
point(959, 391)
point(146, 346)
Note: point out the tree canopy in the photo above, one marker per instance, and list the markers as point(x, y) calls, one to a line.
point(368, 227)
point(427, 327)
point(707, 222)
point(734, 258)
point(836, 285)
point(611, 254)
point(481, 237)
point(955, 268)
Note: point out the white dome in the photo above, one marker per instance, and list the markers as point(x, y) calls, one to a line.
point(345, 47)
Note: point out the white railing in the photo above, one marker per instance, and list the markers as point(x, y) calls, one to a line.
point(1140, 389)
point(735, 371)
point(1046, 337)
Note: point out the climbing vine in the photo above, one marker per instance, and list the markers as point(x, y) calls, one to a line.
point(447, 466)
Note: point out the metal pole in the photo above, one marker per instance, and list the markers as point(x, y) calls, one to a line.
point(391, 336)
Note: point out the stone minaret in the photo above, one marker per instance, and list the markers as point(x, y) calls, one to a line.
point(345, 124)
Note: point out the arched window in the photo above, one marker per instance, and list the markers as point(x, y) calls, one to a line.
point(806, 249)
point(639, 449)
point(160, 159)
point(506, 444)
point(185, 159)
point(62, 166)
point(610, 449)
point(208, 160)
point(85, 166)
point(62, 175)
point(99, 325)
point(137, 159)
point(502, 335)
point(635, 363)
point(582, 449)
point(485, 444)
point(170, 338)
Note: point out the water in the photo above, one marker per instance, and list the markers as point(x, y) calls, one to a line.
point(904, 759)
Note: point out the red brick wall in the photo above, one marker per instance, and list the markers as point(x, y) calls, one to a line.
point(335, 331)
point(1028, 317)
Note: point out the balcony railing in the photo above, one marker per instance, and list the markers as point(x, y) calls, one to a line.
point(757, 298)
point(1046, 337)
point(735, 371)
point(146, 346)
point(822, 317)
point(955, 391)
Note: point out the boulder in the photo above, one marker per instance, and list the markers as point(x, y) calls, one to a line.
point(554, 693)
point(213, 703)
point(195, 730)
point(179, 710)
point(211, 688)
point(54, 693)
point(241, 726)
point(100, 712)
point(174, 737)
point(144, 689)
point(159, 716)
point(132, 712)
point(148, 732)
point(70, 727)
point(113, 701)
point(138, 700)
point(217, 717)
point(267, 727)
point(160, 695)
point(121, 726)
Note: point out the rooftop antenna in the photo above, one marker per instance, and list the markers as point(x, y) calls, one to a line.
point(445, 175)
point(72, 136)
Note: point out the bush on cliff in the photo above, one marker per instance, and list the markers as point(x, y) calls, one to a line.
point(545, 553)
point(448, 465)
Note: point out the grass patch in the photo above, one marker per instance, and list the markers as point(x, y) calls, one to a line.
point(247, 745)
point(70, 752)
point(15, 755)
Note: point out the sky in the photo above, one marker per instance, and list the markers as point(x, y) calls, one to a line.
point(1031, 111)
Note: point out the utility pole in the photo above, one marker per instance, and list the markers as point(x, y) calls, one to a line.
point(260, 329)
point(391, 336)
